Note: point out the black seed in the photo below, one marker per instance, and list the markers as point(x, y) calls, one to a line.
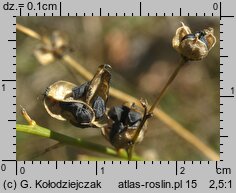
point(134, 117)
point(99, 107)
point(79, 91)
point(115, 113)
point(201, 36)
point(81, 113)
point(188, 36)
point(119, 113)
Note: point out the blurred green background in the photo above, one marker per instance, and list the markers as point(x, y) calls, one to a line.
point(139, 49)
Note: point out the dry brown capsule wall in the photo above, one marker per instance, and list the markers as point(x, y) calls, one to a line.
point(193, 46)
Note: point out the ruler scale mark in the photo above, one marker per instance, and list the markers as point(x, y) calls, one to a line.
point(60, 8)
point(220, 11)
point(140, 8)
point(96, 168)
point(227, 96)
point(176, 168)
point(227, 16)
point(16, 167)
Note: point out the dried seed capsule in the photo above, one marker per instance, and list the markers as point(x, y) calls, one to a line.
point(83, 106)
point(124, 123)
point(193, 46)
point(51, 48)
point(60, 104)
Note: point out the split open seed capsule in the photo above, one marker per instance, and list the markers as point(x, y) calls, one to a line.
point(51, 48)
point(193, 46)
point(83, 106)
point(125, 121)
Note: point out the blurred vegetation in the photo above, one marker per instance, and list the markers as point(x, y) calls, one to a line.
point(140, 51)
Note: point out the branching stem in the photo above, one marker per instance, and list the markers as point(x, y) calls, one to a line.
point(173, 125)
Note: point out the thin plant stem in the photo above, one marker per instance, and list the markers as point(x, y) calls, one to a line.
point(165, 118)
point(158, 98)
point(64, 139)
point(28, 31)
point(170, 80)
point(155, 104)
